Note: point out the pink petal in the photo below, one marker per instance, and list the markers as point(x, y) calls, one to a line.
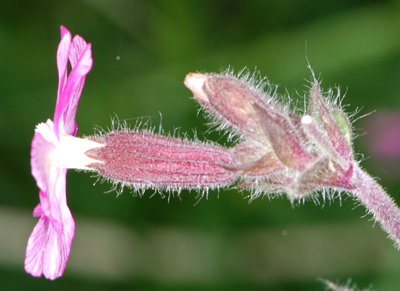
point(37, 212)
point(55, 197)
point(43, 143)
point(73, 89)
point(70, 89)
point(78, 46)
point(48, 251)
point(62, 60)
point(50, 180)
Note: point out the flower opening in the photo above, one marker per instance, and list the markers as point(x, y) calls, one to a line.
point(54, 149)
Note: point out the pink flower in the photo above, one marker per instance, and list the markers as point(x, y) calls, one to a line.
point(55, 149)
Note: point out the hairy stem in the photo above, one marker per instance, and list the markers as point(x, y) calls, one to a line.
point(379, 204)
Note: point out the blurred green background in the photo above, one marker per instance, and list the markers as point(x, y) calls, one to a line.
point(142, 51)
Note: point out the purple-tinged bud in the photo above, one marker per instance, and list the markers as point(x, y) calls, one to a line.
point(143, 160)
point(229, 100)
point(324, 146)
point(325, 120)
point(283, 138)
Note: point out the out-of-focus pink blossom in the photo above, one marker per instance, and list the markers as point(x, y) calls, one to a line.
point(383, 135)
point(382, 142)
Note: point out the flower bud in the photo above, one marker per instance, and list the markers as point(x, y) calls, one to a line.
point(284, 139)
point(324, 117)
point(230, 101)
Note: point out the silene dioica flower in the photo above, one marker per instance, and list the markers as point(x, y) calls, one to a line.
point(278, 151)
point(137, 159)
point(55, 149)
